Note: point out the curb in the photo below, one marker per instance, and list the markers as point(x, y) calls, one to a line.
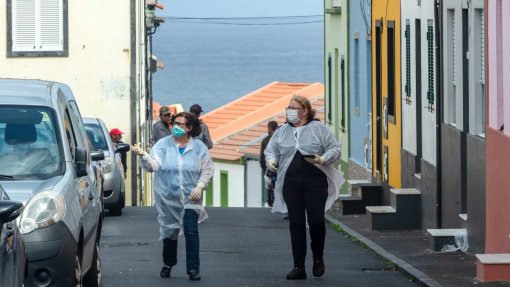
point(402, 265)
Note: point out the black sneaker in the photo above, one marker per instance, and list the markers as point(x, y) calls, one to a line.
point(318, 267)
point(298, 273)
point(194, 276)
point(165, 271)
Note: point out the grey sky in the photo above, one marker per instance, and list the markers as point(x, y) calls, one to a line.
point(240, 8)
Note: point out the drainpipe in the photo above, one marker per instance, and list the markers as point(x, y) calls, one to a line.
point(439, 107)
point(245, 164)
point(133, 95)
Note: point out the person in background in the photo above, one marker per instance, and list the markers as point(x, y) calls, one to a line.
point(116, 136)
point(204, 136)
point(163, 127)
point(182, 169)
point(269, 176)
point(302, 151)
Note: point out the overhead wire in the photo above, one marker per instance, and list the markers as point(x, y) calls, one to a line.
point(298, 20)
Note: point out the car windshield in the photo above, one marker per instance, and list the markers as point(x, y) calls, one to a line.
point(96, 136)
point(29, 146)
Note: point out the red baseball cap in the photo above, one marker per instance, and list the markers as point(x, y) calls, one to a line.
point(115, 131)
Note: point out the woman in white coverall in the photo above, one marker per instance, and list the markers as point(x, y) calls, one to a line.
point(182, 168)
point(302, 151)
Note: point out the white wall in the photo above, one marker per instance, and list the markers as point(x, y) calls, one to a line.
point(98, 66)
point(254, 184)
point(235, 184)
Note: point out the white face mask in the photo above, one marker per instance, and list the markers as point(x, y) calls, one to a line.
point(292, 116)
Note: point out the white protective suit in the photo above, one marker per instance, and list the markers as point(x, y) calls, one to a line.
point(313, 138)
point(175, 177)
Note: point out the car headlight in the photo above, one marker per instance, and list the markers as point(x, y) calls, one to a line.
point(107, 165)
point(44, 209)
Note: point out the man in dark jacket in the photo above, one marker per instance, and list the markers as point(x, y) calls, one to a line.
point(204, 136)
point(116, 136)
point(162, 128)
point(269, 176)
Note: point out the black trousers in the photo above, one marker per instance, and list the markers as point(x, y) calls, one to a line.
point(305, 197)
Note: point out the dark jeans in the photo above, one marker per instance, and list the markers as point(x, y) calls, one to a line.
point(190, 226)
point(270, 196)
point(306, 194)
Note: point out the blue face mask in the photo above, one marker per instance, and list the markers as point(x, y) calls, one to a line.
point(177, 131)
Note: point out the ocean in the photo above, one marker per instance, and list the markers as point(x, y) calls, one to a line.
point(214, 64)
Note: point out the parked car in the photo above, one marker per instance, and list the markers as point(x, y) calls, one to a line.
point(111, 165)
point(46, 163)
point(13, 259)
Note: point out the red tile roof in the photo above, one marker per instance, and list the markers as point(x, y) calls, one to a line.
point(245, 140)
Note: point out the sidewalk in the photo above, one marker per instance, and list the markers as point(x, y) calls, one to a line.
point(409, 250)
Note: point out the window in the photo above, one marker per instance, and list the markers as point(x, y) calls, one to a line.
point(330, 89)
point(430, 61)
point(408, 61)
point(451, 69)
point(342, 86)
point(37, 28)
point(356, 77)
point(391, 70)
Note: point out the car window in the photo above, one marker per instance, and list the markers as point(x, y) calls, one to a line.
point(96, 136)
point(29, 145)
point(71, 138)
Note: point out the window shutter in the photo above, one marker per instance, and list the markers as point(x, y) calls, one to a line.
point(408, 61)
point(50, 28)
point(23, 25)
point(430, 54)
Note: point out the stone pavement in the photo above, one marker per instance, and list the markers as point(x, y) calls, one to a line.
point(410, 251)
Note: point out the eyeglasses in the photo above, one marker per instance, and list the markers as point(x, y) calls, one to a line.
point(293, 108)
point(167, 115)
point(182, 125)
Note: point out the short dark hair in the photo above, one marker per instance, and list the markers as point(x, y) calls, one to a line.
point(192, 122)
point(273, 125)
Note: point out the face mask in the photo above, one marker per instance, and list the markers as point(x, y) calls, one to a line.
point(292, 116)
point(178, 132)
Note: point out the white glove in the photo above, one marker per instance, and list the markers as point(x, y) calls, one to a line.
point(136, 149)
point(271, 165)
point(316, 159)
point(196, 194)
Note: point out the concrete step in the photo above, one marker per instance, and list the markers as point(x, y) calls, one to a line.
point(493, 267)
point(439, 238)
point(404, 211)
point(363, 193)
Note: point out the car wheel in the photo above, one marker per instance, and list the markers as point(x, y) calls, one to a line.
point(117, 210)
point(77, 272)
point(93, 278)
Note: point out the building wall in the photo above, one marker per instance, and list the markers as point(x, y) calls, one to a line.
point(254, 188)
point(336, 78)
point(387, 147)
point(98, 66)
point(498, 141)
point(236, 178)
point(419, 98)
point(463, 127)
point(360, 88)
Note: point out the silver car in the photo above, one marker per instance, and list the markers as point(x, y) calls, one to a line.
point(45, 162)
point(111, 165)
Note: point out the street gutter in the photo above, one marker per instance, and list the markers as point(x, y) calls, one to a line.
point(407, 268)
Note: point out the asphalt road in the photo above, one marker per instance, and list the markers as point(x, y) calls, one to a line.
point(239, 247)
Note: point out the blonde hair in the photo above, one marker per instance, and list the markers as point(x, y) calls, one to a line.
point(305, 103)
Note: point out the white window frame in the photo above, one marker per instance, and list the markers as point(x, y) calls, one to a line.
point(40, 41)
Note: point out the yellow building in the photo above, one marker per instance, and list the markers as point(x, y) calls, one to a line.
point(386, 93)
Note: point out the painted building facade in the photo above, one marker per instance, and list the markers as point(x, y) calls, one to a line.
point(360, 89)
point(462, 137)
point(497, 241)
point(419, 31)
point(337, 75)
point(102, 58)
point(386, 95)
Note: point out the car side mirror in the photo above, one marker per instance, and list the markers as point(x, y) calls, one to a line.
point(97, 155)
point(80, 161)
point(10, 210)
point(122, 147)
